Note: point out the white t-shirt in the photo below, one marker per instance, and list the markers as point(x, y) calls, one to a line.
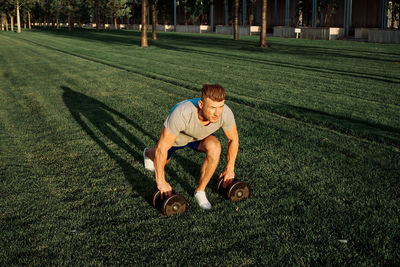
point(183, 121)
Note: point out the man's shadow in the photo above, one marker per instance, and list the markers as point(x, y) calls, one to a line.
point(84, 108)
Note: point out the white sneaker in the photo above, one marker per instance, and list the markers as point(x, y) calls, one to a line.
point(202, 200)
point(148, 163)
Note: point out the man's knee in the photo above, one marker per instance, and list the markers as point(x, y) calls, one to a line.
point(212, 147)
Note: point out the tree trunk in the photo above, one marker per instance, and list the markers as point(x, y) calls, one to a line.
point(29, 19)
point(328, 10)
point(393, 16)
point(12, 22)
point(97, 10)
point(6, 20)
point(70, 26)
point(251, 15)
point(154, 19)
point(3, 21)
point(144, 24)
point(236, 21)
point(115, 15)
point(263, 33)
point(18, 19)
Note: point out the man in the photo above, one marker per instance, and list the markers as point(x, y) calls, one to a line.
point(191, 123)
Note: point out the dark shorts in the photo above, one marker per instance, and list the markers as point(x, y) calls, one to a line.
point(193, 145)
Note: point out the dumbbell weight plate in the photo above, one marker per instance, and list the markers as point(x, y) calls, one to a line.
point(238, 191)
point(220, 188)
point(174, 205)
point(157, 200)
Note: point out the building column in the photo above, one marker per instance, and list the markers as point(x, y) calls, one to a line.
point(255, 15)
point(244, 12)
point(287, 13)
point(174, 14)
point(314, 13)
point(384, 14)
point(348, 6)
point(345, 22)
point(275, 12)
point(321, 19)
point(226, 13)
point(350, 13)
point(212, 15)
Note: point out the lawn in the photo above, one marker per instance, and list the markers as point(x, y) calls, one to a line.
point(319, 127)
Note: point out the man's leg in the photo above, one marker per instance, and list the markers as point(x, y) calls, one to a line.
point(209, 145)
point(149, 154)
point(212, 147)
point(148, 157)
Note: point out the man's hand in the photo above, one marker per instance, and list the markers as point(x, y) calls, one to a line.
point(165, 190)
point(228, 175)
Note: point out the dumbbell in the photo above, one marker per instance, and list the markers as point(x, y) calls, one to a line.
point(235, 191)
point(171, 205)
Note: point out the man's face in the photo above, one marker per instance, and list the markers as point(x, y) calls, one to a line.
point(211, 110)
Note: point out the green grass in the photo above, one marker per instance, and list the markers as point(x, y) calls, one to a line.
point(319, 125)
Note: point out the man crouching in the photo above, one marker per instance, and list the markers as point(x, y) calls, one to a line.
point(192, 123)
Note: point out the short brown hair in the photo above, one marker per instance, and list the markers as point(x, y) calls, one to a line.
point(213, 91)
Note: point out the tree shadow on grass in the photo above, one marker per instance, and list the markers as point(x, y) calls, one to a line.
point(357, 128)
point(86, 109)
point(278, 63)
point(132, 37)
point(181, 42)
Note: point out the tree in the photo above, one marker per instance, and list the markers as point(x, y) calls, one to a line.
point(327, 8)
point(101, 13)
point(114, 8)
point(7, 7)
point(197, 11)
point(394, 13)
point(69, 12)
point(4, 21)
point(144, 42)
point(28, 5)
point(251, 12)
point(236, 21)
point(119, 8)
point(165, 11)
point(82, 11)
point(95, 12)
point(263, 33)
point(18, 18)
point(154, 19)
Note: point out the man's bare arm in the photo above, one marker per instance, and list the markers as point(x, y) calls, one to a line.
point(233, 148)
point(166, 141)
